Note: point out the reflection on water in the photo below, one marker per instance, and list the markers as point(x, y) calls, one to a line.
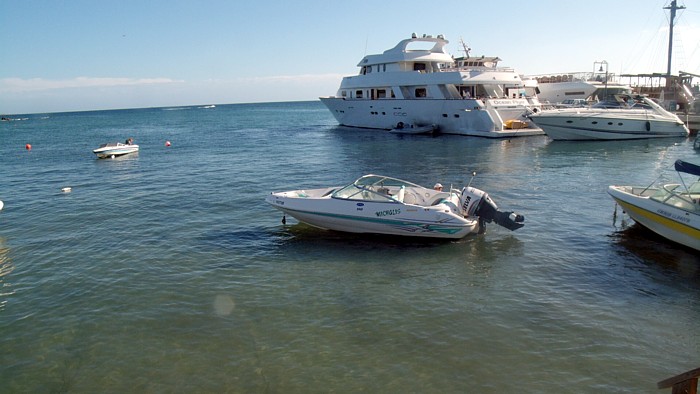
point(6, 268)
point(609, 147)
point(652, 249)
point(307, 240)
point(120, 158)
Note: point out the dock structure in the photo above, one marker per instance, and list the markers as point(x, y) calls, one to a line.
point(685, 383)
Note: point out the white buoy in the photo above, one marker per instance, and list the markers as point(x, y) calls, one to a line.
point(66, 189)
point(1, 205)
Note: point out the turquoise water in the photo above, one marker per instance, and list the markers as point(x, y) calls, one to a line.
point(165, 271)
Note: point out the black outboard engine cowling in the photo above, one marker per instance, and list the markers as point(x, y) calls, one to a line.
point(475, 202)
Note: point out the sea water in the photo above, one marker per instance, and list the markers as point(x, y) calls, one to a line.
point(165, 271)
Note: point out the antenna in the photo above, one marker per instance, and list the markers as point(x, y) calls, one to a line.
point(465, 48)
point(470, 181)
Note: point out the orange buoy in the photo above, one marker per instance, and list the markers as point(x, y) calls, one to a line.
point(28, 146)
point(167, 143)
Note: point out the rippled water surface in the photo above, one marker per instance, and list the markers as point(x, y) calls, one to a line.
point(165, 271)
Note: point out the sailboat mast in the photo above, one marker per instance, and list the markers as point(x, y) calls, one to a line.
point(673, 7)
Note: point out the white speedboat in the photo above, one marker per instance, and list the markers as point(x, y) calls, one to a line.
point(671, 210)
point(114, 149)
point(557, 89)
point(634, 117)
point(383, 205)
point(412, 85)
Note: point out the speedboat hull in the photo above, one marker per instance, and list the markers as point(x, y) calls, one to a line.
point(587, 125)
point(311, 207)
point(630, 117)
point(115, 149)
point(383, 205)
point(678, 225)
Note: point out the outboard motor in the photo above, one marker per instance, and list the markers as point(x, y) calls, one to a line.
point(475, 202)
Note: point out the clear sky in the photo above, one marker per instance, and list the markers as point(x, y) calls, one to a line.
point(75, 55)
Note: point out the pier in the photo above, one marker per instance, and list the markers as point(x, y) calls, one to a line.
point(685, 383)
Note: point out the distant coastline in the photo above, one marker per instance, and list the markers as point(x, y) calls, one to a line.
point(12, 116)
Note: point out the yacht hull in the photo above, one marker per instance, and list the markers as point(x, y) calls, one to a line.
point(462, 117)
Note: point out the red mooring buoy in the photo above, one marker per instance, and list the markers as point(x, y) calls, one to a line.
point(167, 143)
point(28, 147)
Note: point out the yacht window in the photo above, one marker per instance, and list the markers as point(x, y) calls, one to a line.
point(420, 92)
point(358, 94)
point(344, 93)
point(381, 93)
point(418, 66)
point(384, 67)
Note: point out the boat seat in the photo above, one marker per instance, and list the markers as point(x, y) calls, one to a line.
point(437, 199)
point(409, 198)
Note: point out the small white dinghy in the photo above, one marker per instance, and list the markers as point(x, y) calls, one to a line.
point(410, 128)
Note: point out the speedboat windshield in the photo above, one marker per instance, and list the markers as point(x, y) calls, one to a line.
point(379, 180)
point(373, 188)
point(681, 196)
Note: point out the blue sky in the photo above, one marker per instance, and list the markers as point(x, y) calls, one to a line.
point(88, 55)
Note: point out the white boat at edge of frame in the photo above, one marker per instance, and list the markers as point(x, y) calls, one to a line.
point(670, 210)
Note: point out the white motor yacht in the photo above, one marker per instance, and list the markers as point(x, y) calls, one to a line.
point(384, 205)
point(631, 117)
point(670, 210)
point(412, 84)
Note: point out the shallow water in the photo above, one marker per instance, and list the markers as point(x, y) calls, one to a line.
point(166, 271)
